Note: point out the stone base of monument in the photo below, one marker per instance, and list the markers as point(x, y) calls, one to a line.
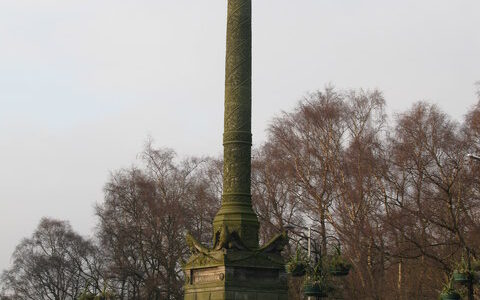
point(235, 283)
point(233, 274)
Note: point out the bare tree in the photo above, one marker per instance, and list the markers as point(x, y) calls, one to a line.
point(404, 206)
point(310, 140)
point(144, 218)
point(55, 263)
point(431, 205)
point(358, 208)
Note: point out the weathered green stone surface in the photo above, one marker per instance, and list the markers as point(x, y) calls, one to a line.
point(235, 267)
point(236, 211)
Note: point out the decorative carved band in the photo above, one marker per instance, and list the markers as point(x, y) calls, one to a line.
point(236, 197)
point(239, 137)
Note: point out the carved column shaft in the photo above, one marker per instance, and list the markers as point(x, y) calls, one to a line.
point(236, 211)
point(237, 137)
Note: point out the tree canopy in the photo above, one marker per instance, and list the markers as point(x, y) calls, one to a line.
point(398, 194)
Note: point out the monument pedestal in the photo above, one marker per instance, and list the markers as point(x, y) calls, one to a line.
point(236, 275)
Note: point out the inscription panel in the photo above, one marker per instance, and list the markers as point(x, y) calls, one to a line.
point(207, 275)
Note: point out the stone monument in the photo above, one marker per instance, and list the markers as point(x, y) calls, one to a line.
point(236, 267)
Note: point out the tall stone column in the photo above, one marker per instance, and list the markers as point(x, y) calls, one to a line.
point(236, 212)
point(235, 267)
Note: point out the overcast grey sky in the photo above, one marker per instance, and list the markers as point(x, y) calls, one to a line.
point(83, 83)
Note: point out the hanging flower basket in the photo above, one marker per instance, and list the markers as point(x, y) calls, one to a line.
point(297, 269)
point(461, 274)
point(450, 295)
point(297, 266)
point(316, 282)
point(461, 277)
point(339, 270)
point(314, 290)
point(338, 265)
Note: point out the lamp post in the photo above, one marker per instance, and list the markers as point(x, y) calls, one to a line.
point(290, 228)
point(309, 229)
point(340, 269)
